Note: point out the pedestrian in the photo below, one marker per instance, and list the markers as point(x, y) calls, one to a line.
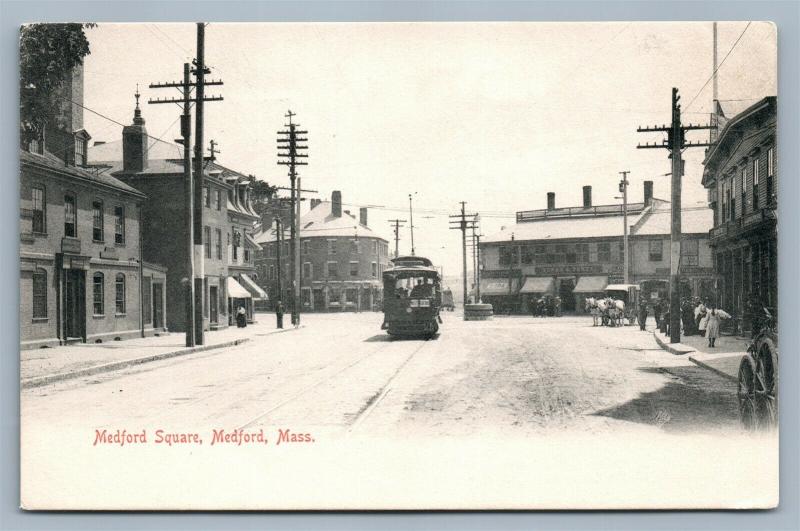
point(557, 305)
point(699, 318)
point(687, 317)
point(279, 313)
point(713, 318)
point(241, 317)
point(642, 315)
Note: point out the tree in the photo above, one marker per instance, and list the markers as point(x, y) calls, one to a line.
point(262, 194)
point(47, 54)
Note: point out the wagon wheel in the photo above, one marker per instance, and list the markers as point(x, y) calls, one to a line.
point(765, 391)
point(746, 394)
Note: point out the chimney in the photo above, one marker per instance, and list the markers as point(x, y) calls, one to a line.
point(363, 215)
point(587, 196)
point(336, 203)
point(648, 192)
point(551, 200)
point(315, 202)
point(134, 142)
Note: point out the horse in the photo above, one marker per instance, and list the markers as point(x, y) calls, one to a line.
point(591, 306)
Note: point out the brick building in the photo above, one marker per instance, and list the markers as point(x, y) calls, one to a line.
point(742, 180)
point(342, 259)
point(576, 252)
point(156, 169)
point(82, 273)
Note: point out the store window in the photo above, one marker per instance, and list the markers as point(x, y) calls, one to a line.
point(98, 306)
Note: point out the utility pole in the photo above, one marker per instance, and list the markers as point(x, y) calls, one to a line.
point(212, 150)
point(462, 223)
point(411, 217)
point(623, 187)
point(279, 240)
point(397, 226)
point(192, 190)
point(291, 141)
point(675, 143)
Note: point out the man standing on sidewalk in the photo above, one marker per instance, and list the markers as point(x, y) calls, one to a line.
point(642, 315)
point(279, 313)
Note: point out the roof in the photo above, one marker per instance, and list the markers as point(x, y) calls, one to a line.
point(766, 104)
point(113, 151)
point(654, 220)
point(53, 163)
point(694, 220)
point(319, 222)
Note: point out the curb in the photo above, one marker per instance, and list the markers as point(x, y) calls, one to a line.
point(38, 381)
point(712, 369)
point(678, 349)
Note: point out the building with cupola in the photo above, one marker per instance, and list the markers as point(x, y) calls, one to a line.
point(156, 169)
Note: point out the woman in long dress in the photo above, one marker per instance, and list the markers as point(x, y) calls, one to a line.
point(713, 318)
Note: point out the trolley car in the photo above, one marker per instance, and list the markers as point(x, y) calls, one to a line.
point(412, 297)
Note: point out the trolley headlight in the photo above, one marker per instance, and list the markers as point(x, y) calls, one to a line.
point(408, 310)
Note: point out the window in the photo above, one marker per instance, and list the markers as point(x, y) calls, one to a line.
point(656, 250)
point(218, 199)
point(98, 308)
point(119, 296)
point(119, 225)
point(206, 196)
point(308, 271)
point(80, 151)
point(39, 210)
point(582, 252)
point(353, 269)
point(728, 208)
point(770, 175)
point(70, 215)
point(354, 247)
point(571, 255)
point(333, 270)
point(331, 246)
point(306, 246)
point(374, 269)
point(237, 239)
point(97, 221)
point(206, 240)
point(527, 254)
point(540, 253)
point(218, 234)
point(755, 184)
point(272, 272)
point(247, 256)
point(604, 252)
point(351, 295)
point(506, 256)
point(375, 247)
point(690, 250)
point(742, 190)
point(40, 294)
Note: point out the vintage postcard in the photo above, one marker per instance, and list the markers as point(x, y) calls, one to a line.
point(399, 266)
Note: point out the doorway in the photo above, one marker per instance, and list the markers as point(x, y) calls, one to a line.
point(213, 305)
point(158, 306)
point(565, 287)
point(319, 300)
point(75, 304)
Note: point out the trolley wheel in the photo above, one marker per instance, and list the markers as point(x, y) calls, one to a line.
point(765, 390)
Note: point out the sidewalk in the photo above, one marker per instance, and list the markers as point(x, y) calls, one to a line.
point(723, 359)
point(47, 365)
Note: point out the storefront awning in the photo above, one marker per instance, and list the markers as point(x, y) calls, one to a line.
point(590, 285)
point(538, 285)
point(251, 286)
point(236, 291)
point(498, 286)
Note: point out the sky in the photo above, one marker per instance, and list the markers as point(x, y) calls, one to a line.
point(494, 114)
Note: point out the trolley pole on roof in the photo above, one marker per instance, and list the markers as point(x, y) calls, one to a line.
point(411, 217)
point(623, 187)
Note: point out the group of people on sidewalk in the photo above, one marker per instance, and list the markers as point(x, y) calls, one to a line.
point(698, 317)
